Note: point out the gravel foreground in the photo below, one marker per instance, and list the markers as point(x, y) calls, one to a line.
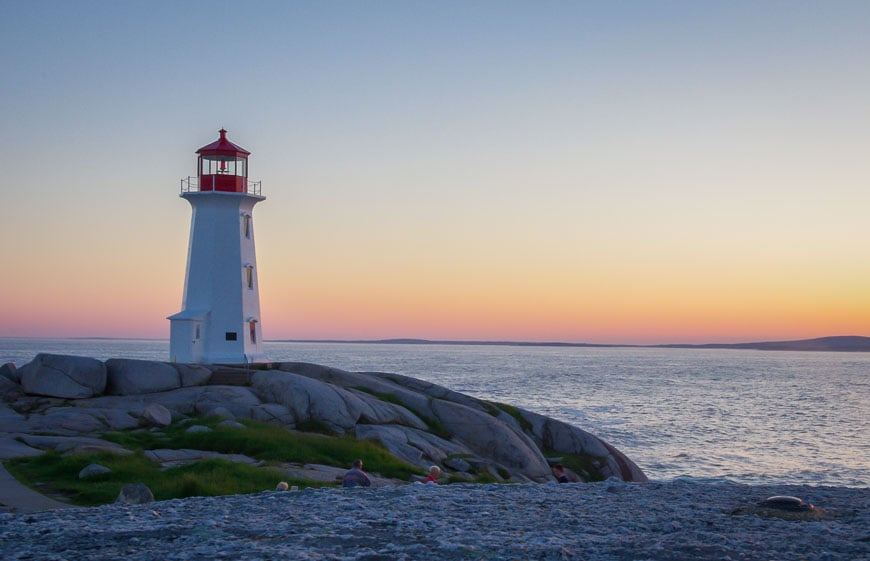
point(611, 520)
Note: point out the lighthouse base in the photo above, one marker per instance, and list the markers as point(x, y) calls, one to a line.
point(192, 341)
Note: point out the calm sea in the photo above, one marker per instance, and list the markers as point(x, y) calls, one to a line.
point(712, 415)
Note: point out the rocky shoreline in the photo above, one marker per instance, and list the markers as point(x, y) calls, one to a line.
point(66, 403)
point(610, 520)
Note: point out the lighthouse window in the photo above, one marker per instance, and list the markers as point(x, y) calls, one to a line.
point(247, 225)
point(231, 336)
point(224, 165)
point(253, 327)
point(249, 276)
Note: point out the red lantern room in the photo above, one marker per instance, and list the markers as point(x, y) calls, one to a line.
point(223, 166)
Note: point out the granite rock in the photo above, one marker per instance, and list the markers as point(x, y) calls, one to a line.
point(135, 494)
point(11, 373)
point(193, 374)
point(157, 415)
point(93, 470)
point(417, 421)
point(73, 377)
point(134, 377)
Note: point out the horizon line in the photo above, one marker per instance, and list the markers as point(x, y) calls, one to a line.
point(857, 343)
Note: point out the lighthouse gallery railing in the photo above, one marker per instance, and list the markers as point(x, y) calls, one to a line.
point(191, 184)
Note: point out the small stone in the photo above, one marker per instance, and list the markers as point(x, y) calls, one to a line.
point(93, 470)
point(9, 371)
point(135, 494)
point(198, 428)
point(156, 414)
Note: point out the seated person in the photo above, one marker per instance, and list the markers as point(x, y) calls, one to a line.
point(355, 476)
point(434, 472)
point(559, 473)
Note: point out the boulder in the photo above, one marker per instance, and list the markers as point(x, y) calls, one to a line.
point(11, 448)
point(382, 384)
point(11, 373)
point(222, 412)
point(394, 440)
point(77, 420)
point(490, 438)
point(193, 374)
point(64, 376)
point(171, 457)
point(412, 445)
point(561, 437)
point(9, 418)
point(309, 399)
point(134, 377)
point(379, 412)
point(222, 400)
point(9, 390)
point(157, 415)
point(195, 400)
point(197, 428)
point(273, 413)
point(457, 464)
point(71, 445)
point(92, 470)
point(135, 494)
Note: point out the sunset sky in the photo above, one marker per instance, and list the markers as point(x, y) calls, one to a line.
point(602, 172)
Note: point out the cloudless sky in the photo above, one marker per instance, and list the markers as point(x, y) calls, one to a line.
point(609, 172)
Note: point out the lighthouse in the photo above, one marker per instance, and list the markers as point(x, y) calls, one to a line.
point(220, 318)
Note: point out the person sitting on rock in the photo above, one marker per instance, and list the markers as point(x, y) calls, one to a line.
point(559, 473)
point(434, 473)
point(355, 476)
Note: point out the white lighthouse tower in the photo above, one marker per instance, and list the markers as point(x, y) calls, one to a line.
point(220, 318)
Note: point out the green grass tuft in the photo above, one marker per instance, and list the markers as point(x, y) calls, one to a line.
point(56, 474)
point(585, 465)
point(268, 442)
point(512, 411)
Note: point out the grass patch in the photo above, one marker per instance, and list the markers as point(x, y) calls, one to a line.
point(218, 477)
point(584, 465)
point(268, 442)
point(54, 474)
point(512, 411)
point(58, 475)
point(434, 426)
point(315, 426)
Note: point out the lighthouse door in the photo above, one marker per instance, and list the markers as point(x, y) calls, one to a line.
point(197, 345)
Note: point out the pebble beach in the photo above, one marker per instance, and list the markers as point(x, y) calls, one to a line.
point(611, 520)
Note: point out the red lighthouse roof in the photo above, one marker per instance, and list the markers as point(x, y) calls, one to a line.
point(222, 147)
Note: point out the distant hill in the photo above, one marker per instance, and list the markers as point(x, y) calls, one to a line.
point(829, 344)
point(852, 343)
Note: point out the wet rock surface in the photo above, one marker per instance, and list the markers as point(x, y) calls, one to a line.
point(610, 520)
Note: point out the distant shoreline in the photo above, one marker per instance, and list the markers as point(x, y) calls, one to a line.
point(821, 344)
point(849, 343)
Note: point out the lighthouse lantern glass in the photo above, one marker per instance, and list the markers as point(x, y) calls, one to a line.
point(223, 165)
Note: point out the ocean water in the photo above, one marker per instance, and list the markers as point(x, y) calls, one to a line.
point(711, 415)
